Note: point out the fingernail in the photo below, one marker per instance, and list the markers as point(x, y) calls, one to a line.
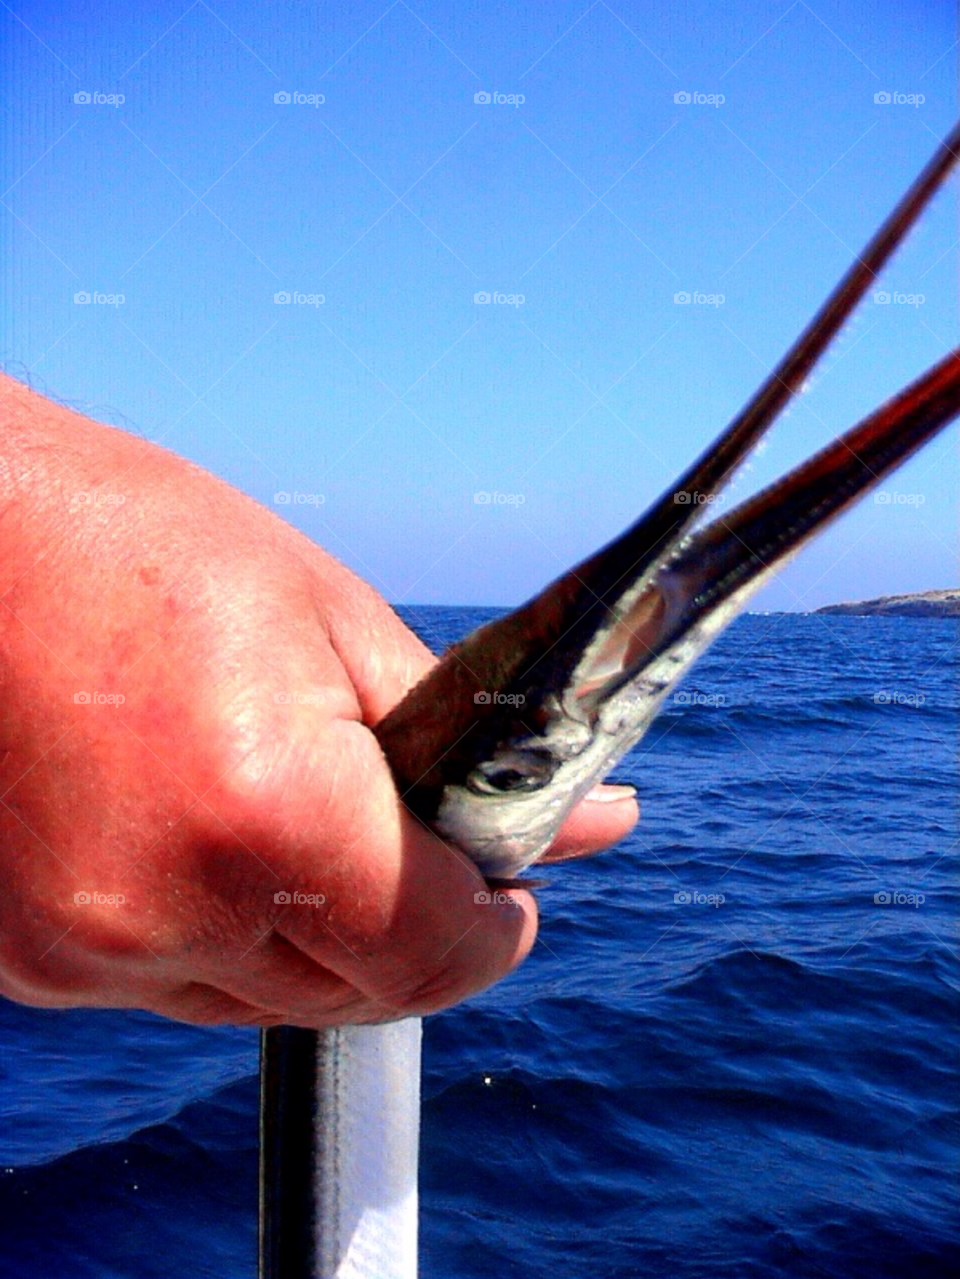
point(611, 793)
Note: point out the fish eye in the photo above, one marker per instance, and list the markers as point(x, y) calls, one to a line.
point(512, 772)
point(498, 780)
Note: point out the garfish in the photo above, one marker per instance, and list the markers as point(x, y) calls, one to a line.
point(516, 723)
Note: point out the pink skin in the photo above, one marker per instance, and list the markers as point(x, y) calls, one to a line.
point(201, 796)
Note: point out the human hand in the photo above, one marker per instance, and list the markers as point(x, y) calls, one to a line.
point(239, 764)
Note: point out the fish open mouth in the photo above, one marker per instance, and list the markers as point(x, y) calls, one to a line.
point(717, 563)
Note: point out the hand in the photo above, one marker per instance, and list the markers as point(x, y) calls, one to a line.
point(188, 690)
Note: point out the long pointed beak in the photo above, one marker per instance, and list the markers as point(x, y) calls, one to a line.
point(519, 720)
point(702, 584)
point(736, 552)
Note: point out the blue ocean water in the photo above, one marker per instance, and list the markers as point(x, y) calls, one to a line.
point(725, 1056)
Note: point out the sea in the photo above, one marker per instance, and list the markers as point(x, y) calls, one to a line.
point(732, 1052)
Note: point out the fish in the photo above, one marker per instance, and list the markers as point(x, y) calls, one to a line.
point(495, 746)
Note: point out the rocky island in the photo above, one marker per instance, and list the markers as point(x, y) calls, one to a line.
point(921, 604)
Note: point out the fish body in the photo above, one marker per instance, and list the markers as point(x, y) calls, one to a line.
point(339, 1139)
point(518, 722)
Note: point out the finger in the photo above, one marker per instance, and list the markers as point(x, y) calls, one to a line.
point(406, 919)
point(604, 817)
point(203, 1005)
point(382, 656)
point(433, 935)
point(480, 936)
point(281, 984)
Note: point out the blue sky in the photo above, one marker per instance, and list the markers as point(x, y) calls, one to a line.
point(597, 198)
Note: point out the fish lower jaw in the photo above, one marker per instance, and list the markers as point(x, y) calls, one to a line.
point(489, 831)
